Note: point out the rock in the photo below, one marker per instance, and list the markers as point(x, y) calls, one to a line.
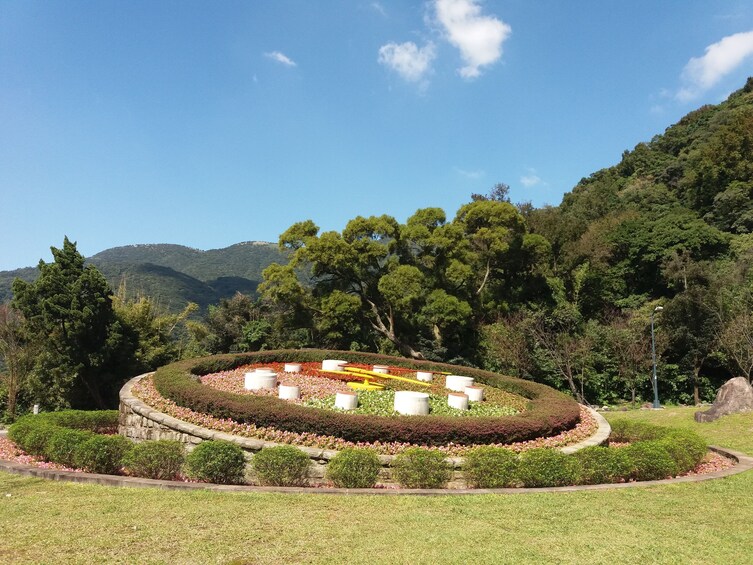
point(736, 395)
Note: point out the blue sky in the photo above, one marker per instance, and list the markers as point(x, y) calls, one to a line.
point(207, 124)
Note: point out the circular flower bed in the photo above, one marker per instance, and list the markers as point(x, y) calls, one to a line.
point(540, 412)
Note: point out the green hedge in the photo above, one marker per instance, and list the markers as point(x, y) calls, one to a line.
point(216, 461)
point(550, 412)
point(354, 468)
point(281, 466)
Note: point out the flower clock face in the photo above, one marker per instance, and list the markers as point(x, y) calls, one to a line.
point(307, 393)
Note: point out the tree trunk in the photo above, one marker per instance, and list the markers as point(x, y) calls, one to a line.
point(696, 391)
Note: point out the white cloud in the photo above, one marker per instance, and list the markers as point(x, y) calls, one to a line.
point(478, 37)
point(281, 58)
point(407, 59)
point(721, 58)
point(473, 175)
point(377, 7)
point(531, 179)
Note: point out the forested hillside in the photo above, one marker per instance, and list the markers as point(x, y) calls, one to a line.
point(173, 275)
point(564, 295)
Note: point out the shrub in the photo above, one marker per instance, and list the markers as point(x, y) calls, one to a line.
point(354, 468)
point(281, 466)
point(690, 445)
point(102, 454)
point(63, 443)
point(602, 465)
point(17, 432)
point(490, 467)
point(217, 461)
point(543, 467)
point(35, 441)
point(649, 461)
point(421, 468)
point(160, 459)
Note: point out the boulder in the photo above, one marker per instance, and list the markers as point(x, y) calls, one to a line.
point(736, 395)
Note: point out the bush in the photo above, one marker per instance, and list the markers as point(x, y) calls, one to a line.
point(421, 468)
point(686, 447)
point(354, 468)
point(35, 441)
point(63, 443)
point(490, 467)
point(543, 467)
point(281, 466)
point(17, 432)
point(649, 461)
point(102, 454)
point(160, 459)
point(600, 465)
point(217, 461)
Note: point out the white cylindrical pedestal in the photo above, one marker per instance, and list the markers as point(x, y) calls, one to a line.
point(475, 393)
point(381, 369)
point(346, 400)
point(458, 383)
point(425, 376)
point(259, 379)
point(411, 403)
point(457, 400)
point(333, 365)
point(289, 392)
point(292, 368)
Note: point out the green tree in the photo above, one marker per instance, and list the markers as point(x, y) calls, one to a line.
point(16, 354)
point(84, 355)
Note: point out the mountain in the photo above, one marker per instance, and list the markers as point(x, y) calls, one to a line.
point(174, 274)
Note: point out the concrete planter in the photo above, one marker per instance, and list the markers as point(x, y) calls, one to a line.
point(292, 368)
point(260, 379)
point(475, 393)
point(457, 400)
point(458, 383)
point(381, 369)
point(289, 392)
point(346, 400)
point(411, 403)
point(424, 376)
point(333, 365)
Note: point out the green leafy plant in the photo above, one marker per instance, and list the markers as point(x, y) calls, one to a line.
point(160, 459)
point(543, 467)
point(421, 468)
point(102, 454)
point(650, 461)
point(354, 468)
point(217, 461)
point(63, 443)
point(600, 465)
point(490, 467)
point(282, 465)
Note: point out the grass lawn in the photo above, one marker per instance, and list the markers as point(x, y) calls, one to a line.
point(709, 522)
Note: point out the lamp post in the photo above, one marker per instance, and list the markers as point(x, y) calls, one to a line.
point(653, 358)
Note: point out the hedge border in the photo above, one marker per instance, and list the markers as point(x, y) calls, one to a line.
point(744, 463)
point(550, 412)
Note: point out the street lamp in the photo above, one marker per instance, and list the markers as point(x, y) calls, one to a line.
point(653, 357)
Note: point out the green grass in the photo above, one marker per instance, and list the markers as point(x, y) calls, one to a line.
point(708, 522)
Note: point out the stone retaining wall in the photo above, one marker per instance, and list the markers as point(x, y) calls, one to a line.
point(139, 422)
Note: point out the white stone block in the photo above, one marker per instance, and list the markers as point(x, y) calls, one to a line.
point(475, 393)
point(458, 382)
point(260, 379)
point(333, 365)
point(292, 367)
point(426, 376)
point(289, 392)
point(411, 403)
point(346, 400)
point(381, 369)
point(457, 400)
